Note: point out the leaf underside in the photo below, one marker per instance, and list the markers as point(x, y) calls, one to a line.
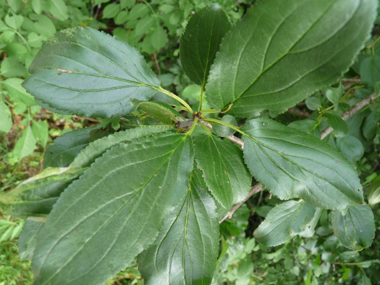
point(114, 211)
point(284, 222)
point(294, 164)
point(355, 229)
point(283, 51)
point(186, 250)
point(86, 72)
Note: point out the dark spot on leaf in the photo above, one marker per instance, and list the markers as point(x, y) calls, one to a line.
point(51, 152)
point(291, 232)
point(226, 170)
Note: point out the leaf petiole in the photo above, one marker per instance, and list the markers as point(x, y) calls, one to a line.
point(170, 94)
point(210, 120)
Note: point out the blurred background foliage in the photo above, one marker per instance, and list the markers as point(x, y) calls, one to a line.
point(154, 28)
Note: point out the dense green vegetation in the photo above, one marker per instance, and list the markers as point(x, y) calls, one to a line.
point(325, 254)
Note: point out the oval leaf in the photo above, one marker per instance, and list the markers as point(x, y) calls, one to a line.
point(223, 168)
point(120, 203)
point(289, 50)
point(186, 250)
point(201, 40)
point(86, 72)
point(355, 229)
point(294, 164)
point(337, 123)
point(284, 222)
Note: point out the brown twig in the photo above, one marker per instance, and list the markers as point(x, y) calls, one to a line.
point(259, 187)
point(255, 189)
point(77, 118)
point(350, 112)
point(351, 80)
point(299, 113)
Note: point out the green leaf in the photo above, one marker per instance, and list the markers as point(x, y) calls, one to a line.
point(34, 40)
point(37, 195)
point(374, 192)
point(17, 92)
point(370, 70)
point(313, 103)
point(111, 10)
point(127, 3)
point(310, 226)
point(143, 25)
point(121, 18)
point(138, 11)
point(159, 110)
point(337, 123)
point(223, 168)
point(334, 95)
point(28, 238)
point(95, 149)
point(11, 68)
point(224, 131)
point(86, 72)
point(58, 8)
point(5, 117)
point(41, 132)
point(14, 22)
point(159, 38)
point(284, 222)
point(15, 5)
point(356, 228)
point(25, 145)
point(7, 234)
point(294, 164)
point(370, 125)
point(351, 148)
point(17, 230)
point(66, 148)
point(186, 250)
point(44, 26)
point(289, 49)
point(201, 40)
point(37, 6)
point(121, 203)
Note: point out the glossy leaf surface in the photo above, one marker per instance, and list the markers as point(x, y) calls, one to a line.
point(223, 167)
point(87, 72)
point(186, 250)
point(114, 211)
point(293, 164)
point(355, 229)
point(201, 41)
point(284, 222)
point(288, 50)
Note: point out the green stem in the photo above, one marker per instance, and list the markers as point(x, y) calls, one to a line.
point(23, 39)
point(201, 99)
point(192, 126)
point(170, 94)
point(211, 111)
point(225, 124)
point(151, 9)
